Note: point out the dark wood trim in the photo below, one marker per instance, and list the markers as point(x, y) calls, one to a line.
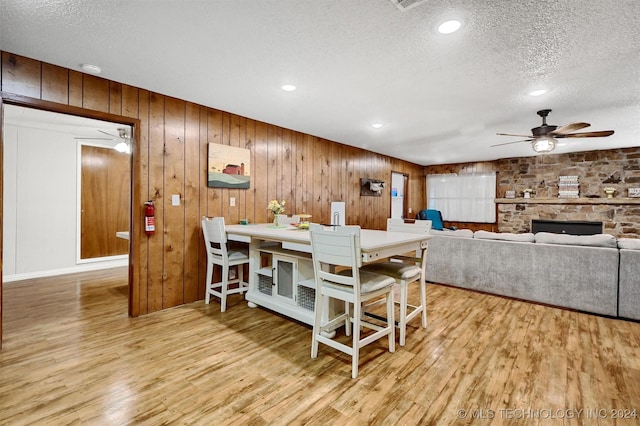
point(25, 101)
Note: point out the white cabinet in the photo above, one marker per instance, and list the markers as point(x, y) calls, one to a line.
point(286, 284)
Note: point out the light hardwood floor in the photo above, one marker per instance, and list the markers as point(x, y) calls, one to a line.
point(72, 356)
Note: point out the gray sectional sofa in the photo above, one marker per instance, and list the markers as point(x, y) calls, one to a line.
point(629, 297)
point(586, 273)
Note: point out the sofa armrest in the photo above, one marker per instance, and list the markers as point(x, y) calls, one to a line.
point(629, 291)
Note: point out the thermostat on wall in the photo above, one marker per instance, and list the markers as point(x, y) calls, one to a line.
point(634, 192)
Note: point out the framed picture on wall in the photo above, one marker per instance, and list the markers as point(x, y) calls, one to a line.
point(228, 167)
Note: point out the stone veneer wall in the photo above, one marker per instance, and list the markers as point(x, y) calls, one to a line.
point(618, 168)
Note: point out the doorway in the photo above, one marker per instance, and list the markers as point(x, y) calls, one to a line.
point(46, 168)
point(61, 113)
point(399, 200)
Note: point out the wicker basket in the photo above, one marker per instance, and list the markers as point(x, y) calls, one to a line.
point(264, 284)
point(306, 297)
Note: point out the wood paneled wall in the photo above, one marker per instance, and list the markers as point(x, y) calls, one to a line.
point(169, 157)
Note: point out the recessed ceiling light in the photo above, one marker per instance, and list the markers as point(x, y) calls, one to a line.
point(376, 125)
point(538, 92)
point(449, 27)
point(91, 69)
point(288, 87)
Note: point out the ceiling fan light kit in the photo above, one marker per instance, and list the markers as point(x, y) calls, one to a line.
point(123, 135)
point(544, 137)
point(543, 144)
point(123, 147)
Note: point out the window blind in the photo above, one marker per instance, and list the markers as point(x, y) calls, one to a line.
point(463, 198)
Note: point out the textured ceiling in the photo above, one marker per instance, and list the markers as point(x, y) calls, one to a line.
point(441, 98)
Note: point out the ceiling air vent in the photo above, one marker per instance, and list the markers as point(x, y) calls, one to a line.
point(403, 5)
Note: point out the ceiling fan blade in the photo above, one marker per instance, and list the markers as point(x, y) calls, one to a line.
point(109, 134)
point(599, 134)
point(510, 134)
point(97, 139)
point(571, 127)
point(509, 143)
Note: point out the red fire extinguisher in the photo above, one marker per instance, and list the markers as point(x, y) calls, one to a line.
point(149, 218)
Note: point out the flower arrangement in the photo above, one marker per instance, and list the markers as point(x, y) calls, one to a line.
point(276, 207)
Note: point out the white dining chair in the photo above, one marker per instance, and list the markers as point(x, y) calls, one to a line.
point(406, 270)
point(215, 239)
point(336, 248)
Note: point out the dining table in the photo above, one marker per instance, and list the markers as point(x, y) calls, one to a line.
point(281, 275)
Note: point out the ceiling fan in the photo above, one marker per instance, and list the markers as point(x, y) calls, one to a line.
point(123, 134)
point(543, 138)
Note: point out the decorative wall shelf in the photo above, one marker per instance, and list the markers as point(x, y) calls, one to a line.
point(584, 201)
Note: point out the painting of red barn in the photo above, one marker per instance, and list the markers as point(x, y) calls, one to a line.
point(228, 167)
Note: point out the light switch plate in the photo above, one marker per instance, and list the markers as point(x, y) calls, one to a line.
point(175, 199)
point(232, 201)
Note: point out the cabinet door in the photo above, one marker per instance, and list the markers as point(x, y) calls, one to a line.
point(285, 277)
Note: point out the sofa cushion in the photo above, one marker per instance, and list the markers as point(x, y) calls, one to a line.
point(629, 243)
point(462, 233)
point(598, 240)
point(506, 236)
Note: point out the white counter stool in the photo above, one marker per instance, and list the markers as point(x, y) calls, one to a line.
point(406, 270)
point(215, 240)
point(339, 247)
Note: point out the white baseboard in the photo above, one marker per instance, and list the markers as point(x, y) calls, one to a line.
point(85, 267)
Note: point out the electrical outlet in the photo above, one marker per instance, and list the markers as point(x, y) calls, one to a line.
point(232, 201)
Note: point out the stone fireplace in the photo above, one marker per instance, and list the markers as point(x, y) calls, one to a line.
point(617, 168)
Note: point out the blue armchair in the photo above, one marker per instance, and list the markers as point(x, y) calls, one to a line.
point(435, 216)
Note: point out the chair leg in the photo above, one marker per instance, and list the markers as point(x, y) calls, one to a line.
point(355, 346)
point(423, 301)
point(317, 328)
point(241, 276)
point(224, 286)
point(402, 321)
point(347, 321)
point(391, 322)
point(207, 291)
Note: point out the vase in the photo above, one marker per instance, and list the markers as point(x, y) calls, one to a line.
point(275, 220)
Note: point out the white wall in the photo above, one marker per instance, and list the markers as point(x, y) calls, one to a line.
point(40, 205)
point(397, 201)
